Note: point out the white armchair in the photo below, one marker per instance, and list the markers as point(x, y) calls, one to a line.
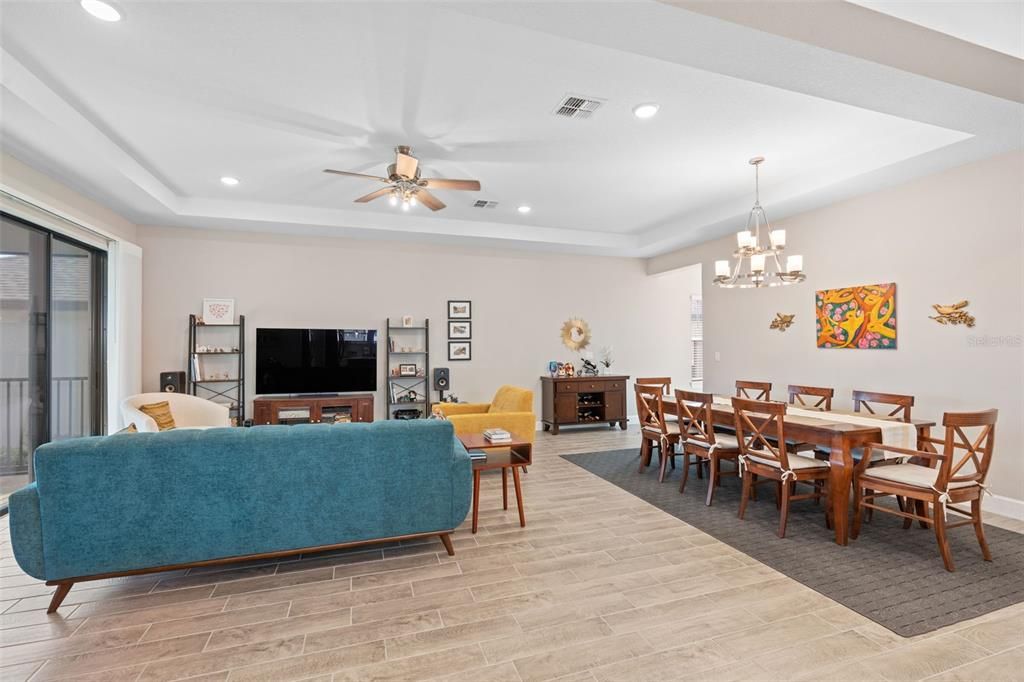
point(189, 412)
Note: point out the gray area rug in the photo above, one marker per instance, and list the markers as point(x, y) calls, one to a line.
point(893, 576)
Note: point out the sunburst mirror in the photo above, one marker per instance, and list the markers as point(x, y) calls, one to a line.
point(575, 333)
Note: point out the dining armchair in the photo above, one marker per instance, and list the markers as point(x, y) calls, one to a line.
point(655, 431)
point(760, 430)
point(963, 463)
point(754, 390)
point(701, 441)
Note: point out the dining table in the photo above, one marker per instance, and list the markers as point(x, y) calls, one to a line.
point(829, 431)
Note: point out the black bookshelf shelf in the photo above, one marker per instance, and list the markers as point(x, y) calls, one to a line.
point(398, 386)
point(228, 392)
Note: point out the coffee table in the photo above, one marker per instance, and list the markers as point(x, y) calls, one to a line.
point(508, 455)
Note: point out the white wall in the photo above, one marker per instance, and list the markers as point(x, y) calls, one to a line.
point(952, 236)
point(520, 300)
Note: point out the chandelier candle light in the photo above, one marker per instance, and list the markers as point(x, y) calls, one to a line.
point(764, 266)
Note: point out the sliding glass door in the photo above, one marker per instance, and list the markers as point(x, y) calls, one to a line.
point(51, 345)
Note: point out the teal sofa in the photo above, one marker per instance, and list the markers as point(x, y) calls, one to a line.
point(146, 502)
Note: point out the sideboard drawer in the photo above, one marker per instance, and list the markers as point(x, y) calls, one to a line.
point(616, 385)
point(566, 387)
point(593, 385)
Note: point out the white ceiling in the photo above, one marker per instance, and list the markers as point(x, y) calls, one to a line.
point(147, 114)
point(997, 25)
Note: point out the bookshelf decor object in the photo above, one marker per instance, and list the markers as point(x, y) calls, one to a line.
point(216, 364)
point(407, 369)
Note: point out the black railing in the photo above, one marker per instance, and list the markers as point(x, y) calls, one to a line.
point(70, 401)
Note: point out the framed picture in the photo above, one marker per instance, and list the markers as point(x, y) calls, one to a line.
point(861, 317)
point(460, 310)
point(460, 330)
point(218, 311)
point(407, 370)
point(407, 321)
point(459, 350)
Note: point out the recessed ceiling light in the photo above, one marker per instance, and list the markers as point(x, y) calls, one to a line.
point(101, 10)
point(523, 209)
point(646, 110)
point(229, 181)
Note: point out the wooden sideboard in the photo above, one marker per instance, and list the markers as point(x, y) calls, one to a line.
point(313, 409)
point(583, 400)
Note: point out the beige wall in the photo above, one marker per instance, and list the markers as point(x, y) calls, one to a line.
point(952, 236)
point(26, 182)
point(519, 300)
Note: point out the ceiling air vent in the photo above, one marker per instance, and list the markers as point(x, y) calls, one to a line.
point(481, 203)
point(575, 106)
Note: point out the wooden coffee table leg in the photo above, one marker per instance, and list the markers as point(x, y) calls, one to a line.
point(476, 498)
point(504, 488)
point(519, 496)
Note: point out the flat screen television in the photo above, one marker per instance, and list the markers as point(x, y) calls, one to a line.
point(316, 360)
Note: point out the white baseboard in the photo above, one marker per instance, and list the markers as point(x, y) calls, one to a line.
point(1004, 506)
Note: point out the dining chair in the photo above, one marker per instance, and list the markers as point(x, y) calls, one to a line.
point(888, 405)
point(665, 384)
point(760, 429)
point(754, 390)
point(700, 440)
point(811, 397)
point(654, 430)
point(901, 404)
point(960, 477)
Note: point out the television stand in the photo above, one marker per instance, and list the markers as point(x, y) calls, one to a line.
point(313, 409)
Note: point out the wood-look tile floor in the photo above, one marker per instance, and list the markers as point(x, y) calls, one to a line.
point(574, 596)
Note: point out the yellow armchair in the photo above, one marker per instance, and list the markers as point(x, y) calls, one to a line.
point(511, 409)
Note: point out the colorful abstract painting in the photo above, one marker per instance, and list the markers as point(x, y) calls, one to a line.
point(857, 317)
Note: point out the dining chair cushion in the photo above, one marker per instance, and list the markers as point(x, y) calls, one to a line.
point(910, 474)
point(795, 461)
point(671, 428)
point(723, 440)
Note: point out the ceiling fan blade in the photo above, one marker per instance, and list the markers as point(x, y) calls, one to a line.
point(443, 183)
point(405, 165)
point(373, 195)
point(356, 175)
point(429, 200)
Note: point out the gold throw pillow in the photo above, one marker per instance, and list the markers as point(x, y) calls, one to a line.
point(161, 414)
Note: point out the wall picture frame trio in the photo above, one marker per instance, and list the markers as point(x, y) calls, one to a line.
point(460, 330)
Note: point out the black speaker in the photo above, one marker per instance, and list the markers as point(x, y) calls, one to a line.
point(442, 382)
point(172, 382)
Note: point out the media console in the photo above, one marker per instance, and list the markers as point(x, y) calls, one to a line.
point(319, 409)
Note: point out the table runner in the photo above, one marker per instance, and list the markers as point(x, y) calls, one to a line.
point(897, 434)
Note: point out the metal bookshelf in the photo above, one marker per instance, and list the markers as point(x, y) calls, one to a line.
point(230, 391)
point(397, 387)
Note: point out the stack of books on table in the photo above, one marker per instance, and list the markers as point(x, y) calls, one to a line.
point(498, 436)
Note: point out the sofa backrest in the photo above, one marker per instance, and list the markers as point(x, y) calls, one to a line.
point(142, 500)
point(512, 399)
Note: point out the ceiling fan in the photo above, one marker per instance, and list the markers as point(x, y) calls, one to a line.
point(405, 184)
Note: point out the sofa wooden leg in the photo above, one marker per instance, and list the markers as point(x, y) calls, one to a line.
point(58, 596)
point(445, 538)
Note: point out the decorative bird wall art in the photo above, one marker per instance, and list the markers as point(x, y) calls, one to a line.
point(952, 314)
point(782, 322)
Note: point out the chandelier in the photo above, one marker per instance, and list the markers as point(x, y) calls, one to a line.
point(756, 265)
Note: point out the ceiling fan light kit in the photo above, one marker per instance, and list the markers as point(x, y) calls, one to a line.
point(404, 184)
point(763, 263)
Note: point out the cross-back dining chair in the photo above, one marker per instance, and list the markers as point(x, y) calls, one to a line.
point(655, 431)
point(664, 382)
point(754, 390)
point(963, 463)
point(701, 441)
point(760, 431)
point(898, 405)
point(811, 397)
